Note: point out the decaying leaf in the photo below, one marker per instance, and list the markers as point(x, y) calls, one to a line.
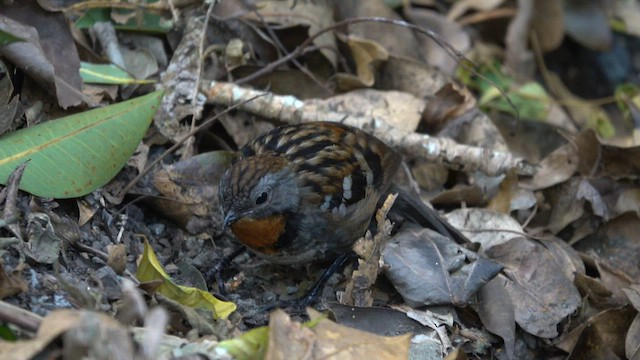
point(497, 312)
point(485, 227)
point(346, 343)
point(190, 188)
point(554, 169)
point(448, 103)
point(377, 320)
point(11, 283)
point(273, 12)
point(48, 53)
point(615, 244)
point(367, 56)
point(600, 337)
point(44, 245)
point(541, 294)
point(428, 268)
point(318, 339)
point(84, 333)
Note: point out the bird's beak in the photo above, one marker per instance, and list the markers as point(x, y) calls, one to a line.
point(229, 219)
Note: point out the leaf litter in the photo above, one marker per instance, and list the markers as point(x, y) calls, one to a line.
point(551, 269)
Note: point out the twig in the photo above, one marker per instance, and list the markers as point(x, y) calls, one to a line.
point(292, 110)
point(23, 318)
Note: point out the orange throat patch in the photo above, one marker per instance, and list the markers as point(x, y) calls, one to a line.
point(260, 235)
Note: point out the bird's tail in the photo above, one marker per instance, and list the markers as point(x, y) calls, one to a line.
point(412, 208)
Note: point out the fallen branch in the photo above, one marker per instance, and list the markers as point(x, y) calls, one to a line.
point(292, 110)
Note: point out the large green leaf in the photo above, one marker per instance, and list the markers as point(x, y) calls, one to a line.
point(75, 155)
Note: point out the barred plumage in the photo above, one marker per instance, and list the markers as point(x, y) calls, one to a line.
point(303, 192)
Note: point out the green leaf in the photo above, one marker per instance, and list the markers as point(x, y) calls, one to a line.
point(107, 74)
point(600, 122)
point(248, 346)
point(7, 334)
point(531, 99)
point(253, 343)
point(627, 92)
point(150, 22)
point(75, 155)
point(7, 38)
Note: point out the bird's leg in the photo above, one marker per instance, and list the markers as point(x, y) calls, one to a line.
point(311, 296)
point(215, 272)
point(338, 265)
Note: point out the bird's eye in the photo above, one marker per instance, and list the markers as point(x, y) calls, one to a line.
point(262, 198)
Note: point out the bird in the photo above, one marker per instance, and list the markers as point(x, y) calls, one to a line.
point(306, 192)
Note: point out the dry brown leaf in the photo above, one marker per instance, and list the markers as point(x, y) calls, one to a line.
point(485, 227)
point(340, 342)
point(367, 55)
point(554, 169)
point(475, 128)
point(470, 195)
point(508, 188)
point(100, 335)
point(497, 312)
point(460, 7)
point(602, 337)
point(117, 259)
point(599, 296)
point(448, 31)
point(414, 77)
point(316, 15)
point(399, 41)
point(48, 55)
point(548, 24)
point(429, 175)
point(616, 244)
point(566, 256)
point(85, 210)
point(427, 268)
point(565, 205)
point(191, 190)
point(597, 158)
point(628, 201)
point(288, 339)
point(632, 340)
point(328, 340)
point(283, 82)
point(588, 192)
point(11, 283)
point(44, 244)
point(358, 289)
point(541, 294)
point(378, 320)
point(447, 104)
